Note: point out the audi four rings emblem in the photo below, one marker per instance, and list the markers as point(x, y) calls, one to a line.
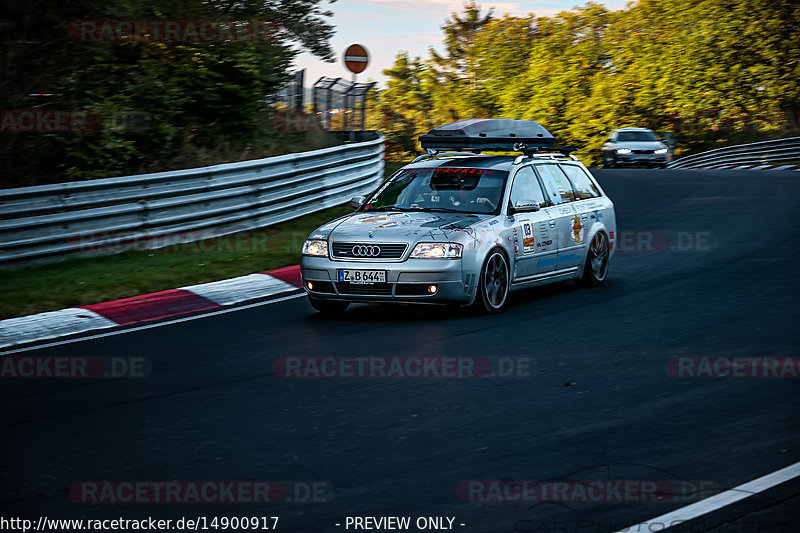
point(366, 251)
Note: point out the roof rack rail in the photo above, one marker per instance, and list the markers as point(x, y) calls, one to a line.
point(438, 153)
point(565, 153)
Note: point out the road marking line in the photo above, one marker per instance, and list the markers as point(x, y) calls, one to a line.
point(718, 501)
point(156, 325)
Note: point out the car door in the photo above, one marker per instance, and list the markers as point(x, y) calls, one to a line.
point(534, 242)
point(570, 216)
point(587, 197)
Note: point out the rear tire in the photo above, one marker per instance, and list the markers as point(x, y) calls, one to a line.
point(328, 306)
point(595, 267)
point(494, 283)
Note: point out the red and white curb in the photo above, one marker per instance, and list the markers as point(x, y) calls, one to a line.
point(148, 307)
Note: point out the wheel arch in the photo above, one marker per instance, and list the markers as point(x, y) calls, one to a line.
point(597, 227)
point(504, 253)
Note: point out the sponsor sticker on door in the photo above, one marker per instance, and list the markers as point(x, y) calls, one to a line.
point(576, 231)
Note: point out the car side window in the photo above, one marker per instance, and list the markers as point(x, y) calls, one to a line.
point(581, 182)
point(526, 187)
point(556, 183)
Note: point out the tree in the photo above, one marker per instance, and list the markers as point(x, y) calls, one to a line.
point(191, 96)
point(460, 61)
point(704, 69)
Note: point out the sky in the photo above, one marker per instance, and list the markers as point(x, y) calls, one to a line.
point(385, 27)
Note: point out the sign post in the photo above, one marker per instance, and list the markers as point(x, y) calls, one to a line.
point(356, 60)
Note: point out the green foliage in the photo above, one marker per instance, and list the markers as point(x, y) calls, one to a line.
point(156, 100)
point(703, 70)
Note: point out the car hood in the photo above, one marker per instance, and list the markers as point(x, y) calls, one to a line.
point(640, 145)
point(397, 227)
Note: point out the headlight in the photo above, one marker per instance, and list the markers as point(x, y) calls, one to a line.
point(661, 151)
point(624, 151)
point(437, 250)
point(315, 247)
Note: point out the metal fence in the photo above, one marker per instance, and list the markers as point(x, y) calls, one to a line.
point(776, 151)
point(292, 94)
point(341, 104)
point(53, 220)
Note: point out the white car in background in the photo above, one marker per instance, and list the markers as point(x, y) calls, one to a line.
point(635, 146)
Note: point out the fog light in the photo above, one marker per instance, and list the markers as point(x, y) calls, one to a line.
point(432, 289)
point(310, 286)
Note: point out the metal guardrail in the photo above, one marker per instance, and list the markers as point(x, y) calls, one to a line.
point(54, 220)
point(775, 151)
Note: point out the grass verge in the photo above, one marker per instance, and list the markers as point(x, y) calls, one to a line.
point(86, 280)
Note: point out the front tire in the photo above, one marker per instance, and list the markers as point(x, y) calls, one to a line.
point(595, 268)
point(494, 282)
point(328, 306)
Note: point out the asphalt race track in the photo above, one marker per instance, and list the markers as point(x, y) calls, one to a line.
point(707, 265)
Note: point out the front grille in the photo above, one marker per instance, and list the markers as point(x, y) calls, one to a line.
point(644, 151)
point(383, 289)
point(368, 250)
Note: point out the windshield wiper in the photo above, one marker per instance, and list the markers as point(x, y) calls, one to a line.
point(389, 208)
point(399, 208)
point(442, 209)
point(419, 209)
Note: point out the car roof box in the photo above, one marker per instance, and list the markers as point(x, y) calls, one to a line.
point(483, 134)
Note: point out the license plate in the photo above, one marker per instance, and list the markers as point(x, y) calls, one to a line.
point(362, 276)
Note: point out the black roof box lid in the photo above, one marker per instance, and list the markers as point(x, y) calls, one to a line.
point(488, 134)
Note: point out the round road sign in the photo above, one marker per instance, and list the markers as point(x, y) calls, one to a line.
point(356, 58)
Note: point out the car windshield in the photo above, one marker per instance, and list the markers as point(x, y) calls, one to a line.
point(636, 136)
point(443, 189)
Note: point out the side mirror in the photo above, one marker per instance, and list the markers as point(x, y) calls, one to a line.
point(357, 201)
point(525, 206)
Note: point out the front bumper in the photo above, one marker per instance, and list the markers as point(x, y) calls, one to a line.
point(406, 281)
point(641, 159)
